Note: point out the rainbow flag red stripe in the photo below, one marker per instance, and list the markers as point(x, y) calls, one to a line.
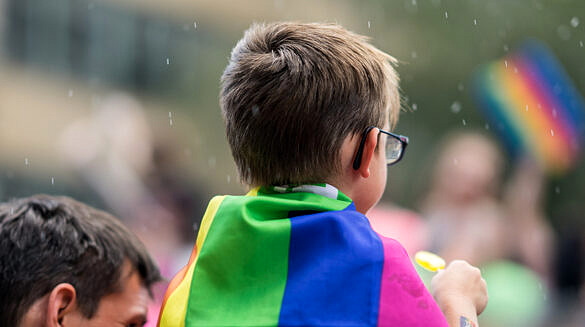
point(295, 256)
point(533, 105)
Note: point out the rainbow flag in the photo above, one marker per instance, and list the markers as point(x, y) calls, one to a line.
point(295, 256)
point(532, 104)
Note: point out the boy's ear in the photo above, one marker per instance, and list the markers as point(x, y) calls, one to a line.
point(62, 301)
point(368, 154)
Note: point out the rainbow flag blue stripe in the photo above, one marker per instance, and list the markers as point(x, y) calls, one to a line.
point(295, 257)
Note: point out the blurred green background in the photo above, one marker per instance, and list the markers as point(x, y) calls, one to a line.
point(59, 57)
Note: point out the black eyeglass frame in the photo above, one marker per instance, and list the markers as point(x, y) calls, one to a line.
point(358, 157)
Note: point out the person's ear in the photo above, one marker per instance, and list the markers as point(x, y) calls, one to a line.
point(368, 154)
point(62, 301)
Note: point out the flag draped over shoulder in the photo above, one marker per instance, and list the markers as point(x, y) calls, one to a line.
point(295, 256)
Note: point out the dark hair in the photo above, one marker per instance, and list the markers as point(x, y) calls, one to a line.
point(47, 240)
point(292, 93)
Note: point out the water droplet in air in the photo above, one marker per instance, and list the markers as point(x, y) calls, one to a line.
point(170, 118)
point(581, 44)
point(475, 22)
point(526, 107)
point(211, 161)
point(506, 63)
point(26, 162)
point(414, 55)
point(460, 87)
point(168, 61)
point(52, 180)
point(369, 24)
point(464, 122)
point(564, 32)
point(446, 15)
point(552, 133)
point(70, 93)
point(486, 126)
point(456, 107)
point(414, 107)
point(229, 178)
point(194, 25)
point(575, 22)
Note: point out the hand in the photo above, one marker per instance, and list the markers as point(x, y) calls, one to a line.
point(458, 287)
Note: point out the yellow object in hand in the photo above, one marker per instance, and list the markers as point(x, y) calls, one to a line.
point(429, 261)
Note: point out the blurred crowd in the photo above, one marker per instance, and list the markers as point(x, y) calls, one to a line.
point(477, 209)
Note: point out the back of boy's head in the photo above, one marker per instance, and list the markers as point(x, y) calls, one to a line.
point(292, 93)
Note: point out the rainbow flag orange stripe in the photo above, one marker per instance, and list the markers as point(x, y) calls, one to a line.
point(533, 105)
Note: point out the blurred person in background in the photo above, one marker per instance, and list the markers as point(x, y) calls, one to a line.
point(506, 235)
point(63, 263)
point(119, 156)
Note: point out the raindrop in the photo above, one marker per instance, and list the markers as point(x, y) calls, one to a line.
point(526, 107)
point(26, 162)
point(581, 44)
point(463, 122)
point(564, 32)
point(70, 93)
point(506, 63)
point(486, 126)
point(414, 55)
point(414, 107)
point(552, 133)
point(52, 180)
point(194, 25)
point(168, 61)
point(557, 190)
point(369, 24)
point(575, 22)
point(11, 211)
point(475, 22)
point(460, 87)
point(446, 15)
point(456, 107)
point(229, 178)
point(170, 118)
point(211, 161)
point(414, 2)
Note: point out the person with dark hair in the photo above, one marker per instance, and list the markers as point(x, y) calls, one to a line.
point(63, 263)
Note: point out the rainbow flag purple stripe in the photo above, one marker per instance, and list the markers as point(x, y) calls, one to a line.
point(533, 106)
point(295, 257)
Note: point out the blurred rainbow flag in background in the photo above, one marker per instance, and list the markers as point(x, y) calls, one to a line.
point(532, 104)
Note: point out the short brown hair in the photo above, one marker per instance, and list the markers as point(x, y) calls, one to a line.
point(47, 240)
point(293, 92)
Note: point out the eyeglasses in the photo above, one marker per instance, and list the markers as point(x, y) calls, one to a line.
point(395, 146)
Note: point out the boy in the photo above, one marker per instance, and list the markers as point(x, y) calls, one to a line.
point(63, 263)
point(306, 107)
